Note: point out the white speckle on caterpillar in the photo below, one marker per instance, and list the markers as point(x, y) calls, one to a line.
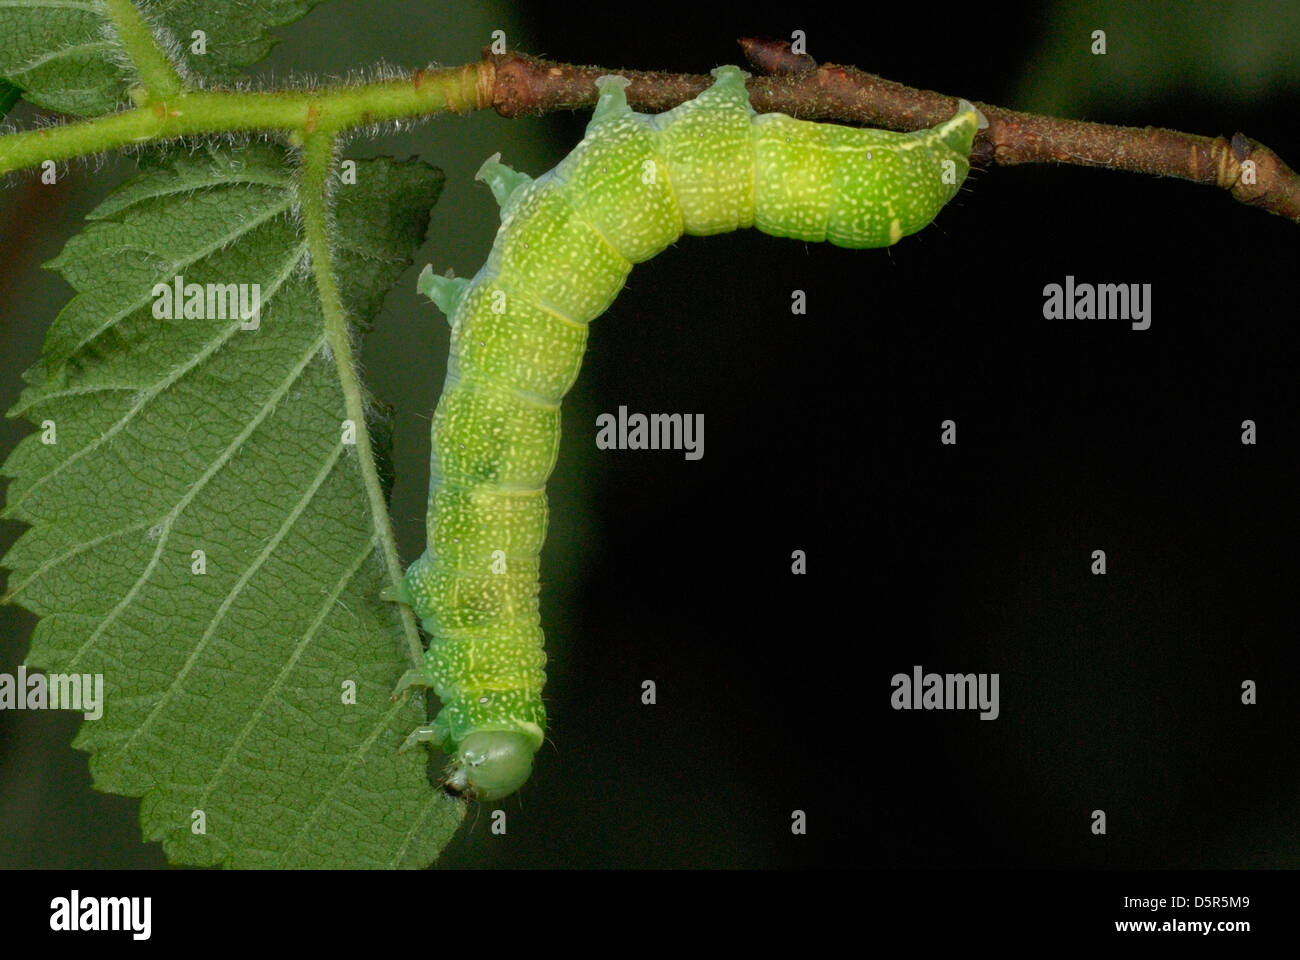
point(565, 245)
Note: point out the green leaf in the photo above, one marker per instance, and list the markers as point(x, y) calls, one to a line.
point(224, 691)
point(65, 55)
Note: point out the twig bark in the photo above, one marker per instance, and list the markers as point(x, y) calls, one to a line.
point(1251, 172)
point(516, 84)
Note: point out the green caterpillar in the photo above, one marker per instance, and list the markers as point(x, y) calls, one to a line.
point(518, 330)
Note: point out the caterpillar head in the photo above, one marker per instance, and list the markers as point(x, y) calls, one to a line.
point(490, 765)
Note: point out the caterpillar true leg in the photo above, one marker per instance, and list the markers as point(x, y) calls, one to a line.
point(426, 734)
point(411, 678)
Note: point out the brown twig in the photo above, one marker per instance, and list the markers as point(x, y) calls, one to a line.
point(1251, 172)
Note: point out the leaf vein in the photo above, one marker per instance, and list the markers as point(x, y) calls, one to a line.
point(147, 396)
point(31, 65)
point(176, 266)
point(228, 601)
point(342, 778)
point(348, 575)
point(181, 186)
point(432, 800)
point(52, 5)
point(69, 554)
point(226, 456)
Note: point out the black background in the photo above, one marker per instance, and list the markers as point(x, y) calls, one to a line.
point(1119, 693)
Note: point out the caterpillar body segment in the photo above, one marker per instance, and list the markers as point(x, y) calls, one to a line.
point(565, 246)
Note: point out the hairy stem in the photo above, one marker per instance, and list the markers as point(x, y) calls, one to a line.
point(156, 71)
point(329, 110)
point(313, 198)
point(516, 84)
